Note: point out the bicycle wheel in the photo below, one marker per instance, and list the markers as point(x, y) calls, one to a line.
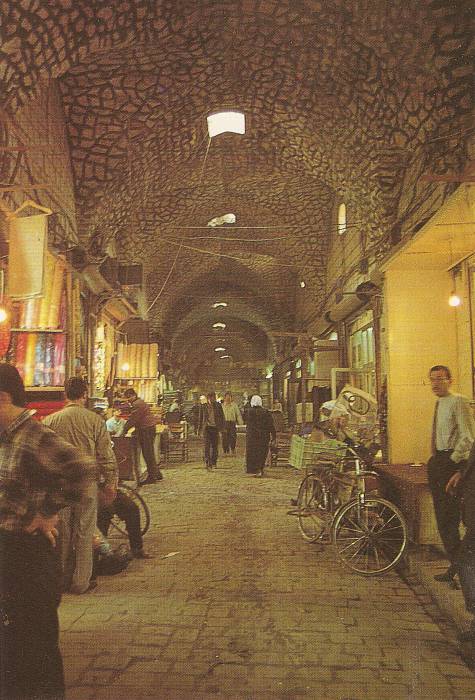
point(134, 496)
point(369, 537)
point(311, 513)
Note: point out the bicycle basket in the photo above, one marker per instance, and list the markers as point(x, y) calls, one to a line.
point(305, 453)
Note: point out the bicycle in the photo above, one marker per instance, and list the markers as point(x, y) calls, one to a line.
point(139, 501)
point(368, 532)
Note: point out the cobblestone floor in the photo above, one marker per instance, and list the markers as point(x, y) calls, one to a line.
point(245, 609)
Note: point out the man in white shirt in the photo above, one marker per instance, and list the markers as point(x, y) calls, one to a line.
point(453, 433)
point(232, 415)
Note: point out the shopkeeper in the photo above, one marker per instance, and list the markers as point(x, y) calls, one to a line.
point(144, 422)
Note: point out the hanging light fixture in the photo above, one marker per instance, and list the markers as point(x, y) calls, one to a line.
point(125, 367)
point(220, 349)
point(219, 325)
point(454, 299)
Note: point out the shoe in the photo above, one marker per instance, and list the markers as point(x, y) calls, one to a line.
point(91, 587)
point(446, 577)
point(141, 554)
point(148, 480)
point(260, 474)
point(159, 477)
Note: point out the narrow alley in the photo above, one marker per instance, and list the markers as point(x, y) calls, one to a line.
point(235, 605)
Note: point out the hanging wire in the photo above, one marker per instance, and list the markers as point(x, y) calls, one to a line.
point(220, 255)
point(181, 244)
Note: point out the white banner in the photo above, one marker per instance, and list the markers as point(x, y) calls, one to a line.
point(27, 252)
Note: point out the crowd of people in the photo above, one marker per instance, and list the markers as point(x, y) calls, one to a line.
point(59, 493)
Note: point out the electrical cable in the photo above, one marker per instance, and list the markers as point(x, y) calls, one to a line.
point(181, 244)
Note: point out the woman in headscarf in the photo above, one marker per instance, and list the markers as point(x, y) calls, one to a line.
point(259, 432)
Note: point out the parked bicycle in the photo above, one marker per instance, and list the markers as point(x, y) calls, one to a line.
point(336, 503)
point(118, 524)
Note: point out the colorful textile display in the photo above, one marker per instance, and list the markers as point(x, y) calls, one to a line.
point(49, 359)
point(20, 353)
point(142, 359)
point(56, 290)
point(59, 359)
point(49, 310)
point(30, 358)
point(47, 288)
point(40, 352)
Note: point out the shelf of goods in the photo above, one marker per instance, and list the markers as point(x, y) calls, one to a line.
point(37, 344)
point(140, 361)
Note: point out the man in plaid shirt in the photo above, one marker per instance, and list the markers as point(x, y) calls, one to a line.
point(40, 473)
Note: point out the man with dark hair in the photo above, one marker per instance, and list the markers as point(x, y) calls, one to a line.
point(211, 423)
point(144, 422)
point(85, 430)
point(40, 473)
point(453, 432)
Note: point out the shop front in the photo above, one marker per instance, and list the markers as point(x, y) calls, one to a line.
point(428, 320)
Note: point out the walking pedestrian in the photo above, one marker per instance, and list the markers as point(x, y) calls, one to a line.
point(260, 431)
point(40, 473)
point(211, 423)
point(232, 416)
point(453, 432)
point(194, 415)
point(144, 422)
point(87, 431)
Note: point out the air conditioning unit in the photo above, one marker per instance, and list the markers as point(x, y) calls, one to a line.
point(131, 275)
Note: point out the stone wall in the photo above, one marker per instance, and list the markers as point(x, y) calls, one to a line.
point(39, 128)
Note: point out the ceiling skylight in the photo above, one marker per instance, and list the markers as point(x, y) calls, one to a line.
point(221, 220)
point(221, 122)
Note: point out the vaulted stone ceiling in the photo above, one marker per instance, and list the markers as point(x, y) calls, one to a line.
point(338, 95)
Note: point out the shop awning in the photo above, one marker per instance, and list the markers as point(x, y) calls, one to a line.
point(444, 241)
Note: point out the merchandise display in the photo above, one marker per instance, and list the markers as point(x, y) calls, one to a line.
point(38, 341)
point(137, 366)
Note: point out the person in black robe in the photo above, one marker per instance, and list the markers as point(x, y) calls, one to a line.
point(260, 431)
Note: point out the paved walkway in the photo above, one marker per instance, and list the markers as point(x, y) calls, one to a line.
point(245, 609)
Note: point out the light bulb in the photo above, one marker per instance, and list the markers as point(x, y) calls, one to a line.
point(3, 314)
point(454, 299)
point(302, 284)
point(125, 367)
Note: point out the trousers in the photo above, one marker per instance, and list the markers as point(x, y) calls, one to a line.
point(211, 445)
point(446, 506)
point(125, 508)
point(76, 528)
point(229, 436)
point(146, 440)
point(466, 555)
point(31, 666)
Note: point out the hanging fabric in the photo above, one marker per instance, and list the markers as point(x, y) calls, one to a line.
point(27, 250)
